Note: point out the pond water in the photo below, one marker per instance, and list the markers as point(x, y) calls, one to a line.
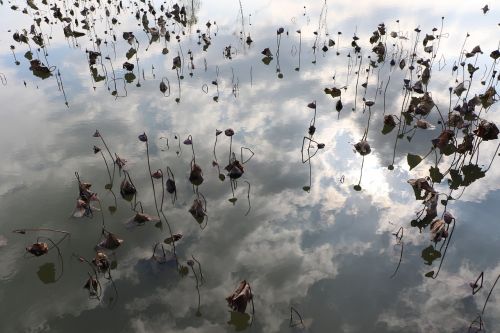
point(309, 151)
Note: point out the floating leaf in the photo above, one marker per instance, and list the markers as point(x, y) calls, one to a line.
point(47, 273)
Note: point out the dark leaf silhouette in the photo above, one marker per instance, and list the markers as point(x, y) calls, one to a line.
point(487, 131)
point(196, 175)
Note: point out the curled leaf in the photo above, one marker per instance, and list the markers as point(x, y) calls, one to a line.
point(238, 300)
point(363, 147)
point(38, 249)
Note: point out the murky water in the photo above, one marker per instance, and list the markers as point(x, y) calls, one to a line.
point(314, 210)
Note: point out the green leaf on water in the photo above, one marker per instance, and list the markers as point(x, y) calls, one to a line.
point(413, 160)
point(429, 274)
point(306, 188)
point(47, 273)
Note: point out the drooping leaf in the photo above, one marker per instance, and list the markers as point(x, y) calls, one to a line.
point(435, 174)
point(413, 160)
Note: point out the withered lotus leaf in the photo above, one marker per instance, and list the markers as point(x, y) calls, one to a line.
point(438, 230)
point(267, 52)
point(111, 242)
point(126, 188)
point(235, 169)
point(170, 186)
point(173, 238)
point(389, 120)
point(487, 130)
point(466, 145)
point(424, 124)
point(421, 184)
point(142, 218)
point(363, 147)
point(239, 299)
point(101, 261)
point(120, 162)
point(443, 139)
point(158, 174)
point(38, 249)
point(196, 175)
point(197, 210)
point(91, 285)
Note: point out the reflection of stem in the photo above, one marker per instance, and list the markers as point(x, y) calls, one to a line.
point(292, 310)
point(107, 168)
point(361, 172)
point(445, 249)
point(156, 203)
point(199, 269)
point(253, 306)
point(248, 196)
point(399, 263)
point(248, 159)
point(489, 294)
point(162, 192)
point(197, 288)
point(152, 180)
